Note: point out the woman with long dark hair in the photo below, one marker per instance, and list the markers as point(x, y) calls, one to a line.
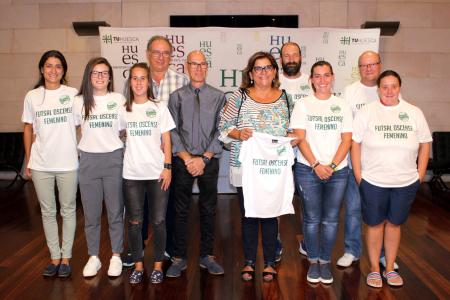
point(146, 168)
point(101, 159)
point(51, 154)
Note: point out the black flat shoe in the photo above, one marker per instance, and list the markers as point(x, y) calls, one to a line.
point(248, 275)
point(64, 270)
point(51, 270)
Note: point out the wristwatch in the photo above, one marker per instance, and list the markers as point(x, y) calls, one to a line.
point(206, 159)
point(333, 166)
point(167, 166)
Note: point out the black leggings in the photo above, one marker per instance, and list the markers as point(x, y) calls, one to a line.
point(134, 194)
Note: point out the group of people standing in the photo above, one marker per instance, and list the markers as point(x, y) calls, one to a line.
point(174, 128)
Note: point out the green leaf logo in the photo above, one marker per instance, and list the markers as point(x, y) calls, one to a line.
point(335, 108)
point(111, 105)
point(403, 116)
point(151, 113)
point(64, 99)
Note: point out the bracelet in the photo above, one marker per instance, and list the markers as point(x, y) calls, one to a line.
point(315, 164)
point(167, 166)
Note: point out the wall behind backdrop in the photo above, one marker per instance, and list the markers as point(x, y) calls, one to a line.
point(420, 51)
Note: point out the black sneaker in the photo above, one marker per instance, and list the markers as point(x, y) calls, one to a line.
point(51, 270)
point(127, 260)
point(64, 270)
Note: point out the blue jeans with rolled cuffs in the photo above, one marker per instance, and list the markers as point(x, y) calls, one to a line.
point(352, 220)
point(321, 204)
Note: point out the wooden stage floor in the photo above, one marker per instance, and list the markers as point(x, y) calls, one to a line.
point(424, 259)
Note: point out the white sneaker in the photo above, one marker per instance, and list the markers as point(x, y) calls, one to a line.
point(115, 266)
point(383, 263)
point(92, 266)
point(346, 260)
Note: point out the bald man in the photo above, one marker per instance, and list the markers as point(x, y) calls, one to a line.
point(195, 109)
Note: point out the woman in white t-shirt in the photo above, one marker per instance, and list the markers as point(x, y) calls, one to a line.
point(323, 123)
point(51, 154)
point(146, 169)
point(390, 152)
point(101, 159)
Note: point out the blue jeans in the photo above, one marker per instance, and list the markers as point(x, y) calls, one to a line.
point(321, 203)
point(352, 231)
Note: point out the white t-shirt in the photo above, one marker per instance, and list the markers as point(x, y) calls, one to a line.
point(144, 159)
point(55, 146)
point(324, 122)
point(298, 88)
point(357, 95)
point(267, 179)
point(390, 137)
point(100, 133)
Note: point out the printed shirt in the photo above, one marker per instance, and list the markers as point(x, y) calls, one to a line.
point(324, 122)
point(271, 118)
point(390, 138)
point(144, 159)
point(267, 180)
point(172, 81)
point(298, 88)
point(100, 132)
point(51, 114)
point(357, 95)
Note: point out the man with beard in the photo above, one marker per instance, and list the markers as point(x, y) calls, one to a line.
point(297, 85)
point(292, 80)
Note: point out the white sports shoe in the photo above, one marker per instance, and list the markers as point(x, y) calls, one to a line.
point(92, 266)
point(383, 263)
point(346, 260)
point(115, 266)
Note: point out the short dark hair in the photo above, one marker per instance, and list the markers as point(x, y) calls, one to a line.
point(159, 38)
point(389, 73)
point(246, 81)
point(44, 57)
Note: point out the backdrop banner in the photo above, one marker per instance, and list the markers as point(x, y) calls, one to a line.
point(227, 51)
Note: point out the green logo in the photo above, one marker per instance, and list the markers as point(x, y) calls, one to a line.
point(111, 105)
point(107, 39)
point(281, 150)
point(335, 108)
point(304, 87)
point(151, 113)
point(403, 116)
point(64, 99)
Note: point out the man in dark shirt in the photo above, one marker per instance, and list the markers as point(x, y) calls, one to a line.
point(195, 109)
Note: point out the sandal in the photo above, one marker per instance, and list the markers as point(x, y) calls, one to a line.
point(374, 280)
point(248, 275)
point(393, 278)
point(268, 276)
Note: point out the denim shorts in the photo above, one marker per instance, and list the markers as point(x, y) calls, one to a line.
point(392, 204)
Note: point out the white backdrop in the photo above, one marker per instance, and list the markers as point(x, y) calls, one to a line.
point(228, 49)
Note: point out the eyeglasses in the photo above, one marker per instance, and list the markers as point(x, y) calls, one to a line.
point(259, 69)
point(372, 65)
point(195, 65)
point(100, 73)
point(156, 53)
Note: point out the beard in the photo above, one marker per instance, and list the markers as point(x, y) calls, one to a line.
point(291, 68)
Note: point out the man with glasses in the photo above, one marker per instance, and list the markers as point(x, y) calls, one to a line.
point(357, 95)
point(195, 109)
